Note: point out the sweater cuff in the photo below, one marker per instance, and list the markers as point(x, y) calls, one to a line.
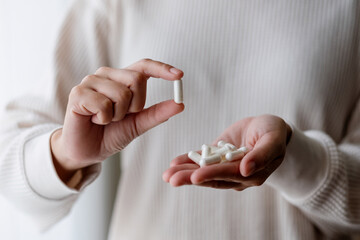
point(41, 173)
point(305, 167)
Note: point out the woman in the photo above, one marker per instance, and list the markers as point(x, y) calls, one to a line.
point(288, 63)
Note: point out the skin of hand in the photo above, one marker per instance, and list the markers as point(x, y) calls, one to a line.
point(105, 112)
point(266, 138)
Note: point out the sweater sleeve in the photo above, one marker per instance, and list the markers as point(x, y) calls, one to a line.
point(322, 177)
point(27, 175)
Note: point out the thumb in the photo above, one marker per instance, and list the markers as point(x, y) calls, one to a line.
point(269, 148)
point(155, 115)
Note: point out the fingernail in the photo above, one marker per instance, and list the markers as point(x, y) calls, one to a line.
point(251, 168)
point(175, 71)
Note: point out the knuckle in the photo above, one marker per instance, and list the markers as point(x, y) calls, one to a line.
point(133, 129)
point(76, 91)
point(145, 61)
point(88, 79)
point(102, 70)
point(164, 66)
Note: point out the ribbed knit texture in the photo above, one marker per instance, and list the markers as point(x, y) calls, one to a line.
point(295, 59)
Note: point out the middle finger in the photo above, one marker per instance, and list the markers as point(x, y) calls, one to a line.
point(135, 81)
point(224, 171)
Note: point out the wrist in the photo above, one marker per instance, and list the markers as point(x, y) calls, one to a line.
point(305, 166)
point(59, 161)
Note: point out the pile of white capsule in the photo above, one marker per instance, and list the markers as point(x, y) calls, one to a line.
point(224, 152)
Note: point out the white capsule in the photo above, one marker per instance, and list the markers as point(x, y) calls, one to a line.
point(205, 150)
point(213, 148)
point(221, 143)
point(230, 146)
point(244, 149)
point(194, 156)
point(222, 151)
point(215, 158)
point(178, 91)
point(230, 156)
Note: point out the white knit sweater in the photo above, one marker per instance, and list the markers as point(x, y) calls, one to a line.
point(295, 59)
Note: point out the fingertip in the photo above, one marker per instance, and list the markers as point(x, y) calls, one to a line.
point(174, 182)
point(195, 178)
point(245, 164)
point(166, 176)
point(180, 106)
point(177, 72)
point(174, 108)
point(248, 169)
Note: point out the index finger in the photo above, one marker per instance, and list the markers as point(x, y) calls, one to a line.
point(156, 69)
point(144, 69)
point(266, 150)
point(136, 75)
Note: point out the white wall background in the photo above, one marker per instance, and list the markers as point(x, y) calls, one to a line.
point(28, 31)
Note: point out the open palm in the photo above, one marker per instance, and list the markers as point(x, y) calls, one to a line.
point(265, 136)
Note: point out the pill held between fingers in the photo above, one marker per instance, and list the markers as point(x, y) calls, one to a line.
point(205, 150)
point(178, 91)
point(194, 156)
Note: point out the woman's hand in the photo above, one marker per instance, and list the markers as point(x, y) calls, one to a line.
point(105, 113)
point(266, 138)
